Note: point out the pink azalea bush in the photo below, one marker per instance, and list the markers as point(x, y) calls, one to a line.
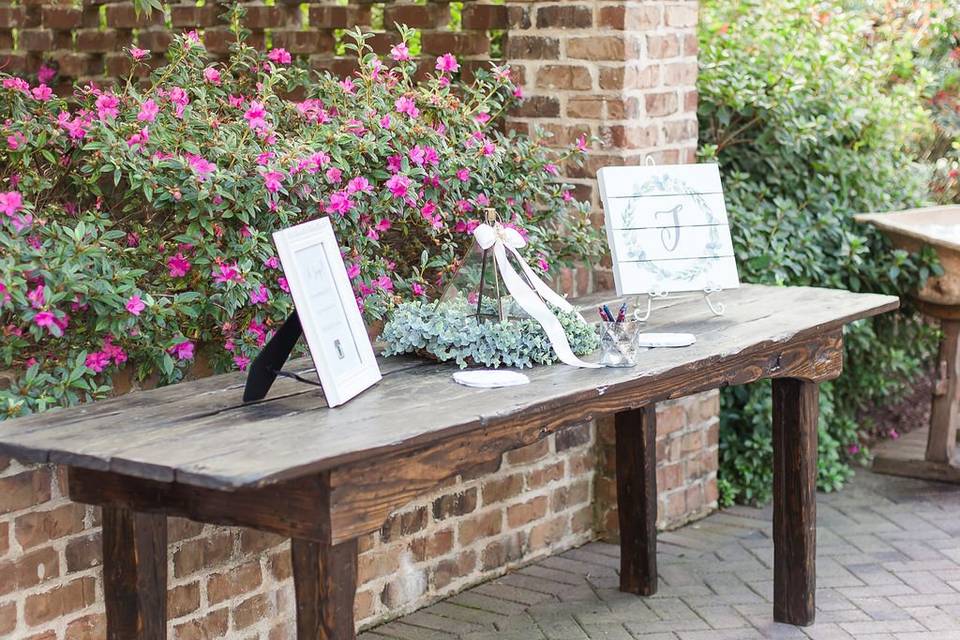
point(136, 220)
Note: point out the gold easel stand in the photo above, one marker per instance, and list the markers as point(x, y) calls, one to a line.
point(939, 459)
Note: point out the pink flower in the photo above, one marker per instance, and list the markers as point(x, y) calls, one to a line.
point(44, 319)
point(384, 283)
point(139, 54)
point(463, 175)
point(212, 75)
point(482, 117)
point(489, 148)
point(259, 295)
point(223, 273)
point(853, 449)
point(423, 155)
point(429, 213)
point(353, 270)
point(15, 141)
point(273, 180)
point(76, 127)
point(182, 350)
point(339, 202)
point(280, 56)
point(542, 263)
point(202, 167)
point(394, 163)
point(148, 111)
point(242, 362)
point(347, 85)
point(10, 202)
point(282, 283)
point(4, 294)
point(552, 169)
point(36, 297)
point(398, 185)
point(180, 100)
point(97, 361)
point(140, 138)
point(894, 434)
point(406, 105)
point(400, 52)
point(114, 352)
point(272, 263)
point(582, 143)
point(334, 175)
point(135, 305)
point(385, 121)
point(178, 266)
point(42, 93)
point(417, 289)
point(17, 84)
point(447, 64)
point(256, 116)
point(45, 74)
point(518, 92)
point(358, 185)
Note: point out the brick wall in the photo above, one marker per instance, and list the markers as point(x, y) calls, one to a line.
point(235, 583)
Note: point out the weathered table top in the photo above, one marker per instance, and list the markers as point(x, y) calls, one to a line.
point(200, 433)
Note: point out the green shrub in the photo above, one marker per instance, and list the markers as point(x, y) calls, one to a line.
point(798, 107)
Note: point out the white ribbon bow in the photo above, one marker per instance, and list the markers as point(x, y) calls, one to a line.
point(530, 294)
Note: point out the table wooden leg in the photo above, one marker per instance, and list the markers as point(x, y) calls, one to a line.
point(636, 433)
point(945, 414)
point(795, 414)
point(135, 574)
point(325, 581)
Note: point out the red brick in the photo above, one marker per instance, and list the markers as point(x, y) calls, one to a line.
point(4, 538)
point(28, 570)
point(180, 529)
point(557, 76)
point(602, 48)
point(575, 436)
point(267, 17)
point(547, 533)
point(669, 476)
point(447, 571)
point(157, 40)
point(680, 73)
point(425, 16)
point(280, 567)
point(61, 600)
point(455, 504)
point(39, 527)
point(663, 45)
point(563, 498)
point(189, 16)
point(12, 18)
point(8, 618)
point(582, 520)
point(585, 107)
point(256, 542)
point(500, 489)
point(565, 17)
point(36, 39)
point(242, 579)
point(59, 17)
point(334, 17)
point(213, 625)
point(300, 41)
point(634, 18)
point(519, 515)
point(96, 40)
point(124, 16)
point(481, 526)
point(545, 475)
point(183, 599)
point(537, 107)
point(432, 546)
point(201, 553)
point(91, 627)
point(251, 611)
point(503, 551)
point(470, 43)
point(376, 564)
point(531, 453)
point(485, 16)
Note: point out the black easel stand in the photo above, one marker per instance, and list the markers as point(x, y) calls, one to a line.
point(265, 367)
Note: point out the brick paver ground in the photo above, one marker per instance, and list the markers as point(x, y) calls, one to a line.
point(888, 568)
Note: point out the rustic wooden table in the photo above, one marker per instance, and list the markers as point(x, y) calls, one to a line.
point(323, 477)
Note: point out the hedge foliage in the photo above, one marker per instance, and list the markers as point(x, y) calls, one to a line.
point(803, 105)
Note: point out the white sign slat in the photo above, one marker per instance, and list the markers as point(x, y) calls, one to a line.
point(667, 228)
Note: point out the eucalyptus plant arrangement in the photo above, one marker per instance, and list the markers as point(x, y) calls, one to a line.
point(136, 220)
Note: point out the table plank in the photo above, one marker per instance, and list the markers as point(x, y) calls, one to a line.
point(207, 437)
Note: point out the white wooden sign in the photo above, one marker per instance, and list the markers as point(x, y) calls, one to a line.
point(331, 321)
point(667, 228)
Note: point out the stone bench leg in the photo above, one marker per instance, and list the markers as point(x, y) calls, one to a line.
point(325, 582)
point(795, 414)
point(135, 574)
point(636, 442)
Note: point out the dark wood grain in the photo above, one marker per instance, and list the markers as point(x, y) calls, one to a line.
point(636, 445)
point(795, 413)
point(945, 411)
point(325, 584)
point(135, 574)
point(207, 438)
point(298, 508)
point(364, 494)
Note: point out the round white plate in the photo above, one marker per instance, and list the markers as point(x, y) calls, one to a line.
point(666, 339)
point(490, 378)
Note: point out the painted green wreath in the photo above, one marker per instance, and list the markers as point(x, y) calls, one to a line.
point(449, 330)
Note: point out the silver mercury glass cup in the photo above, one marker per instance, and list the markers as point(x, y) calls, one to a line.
point(618, 343)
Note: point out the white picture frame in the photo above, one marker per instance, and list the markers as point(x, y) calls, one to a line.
point(667, 229)
point(325, 302)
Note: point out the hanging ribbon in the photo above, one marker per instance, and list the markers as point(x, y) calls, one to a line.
point(530, 295)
